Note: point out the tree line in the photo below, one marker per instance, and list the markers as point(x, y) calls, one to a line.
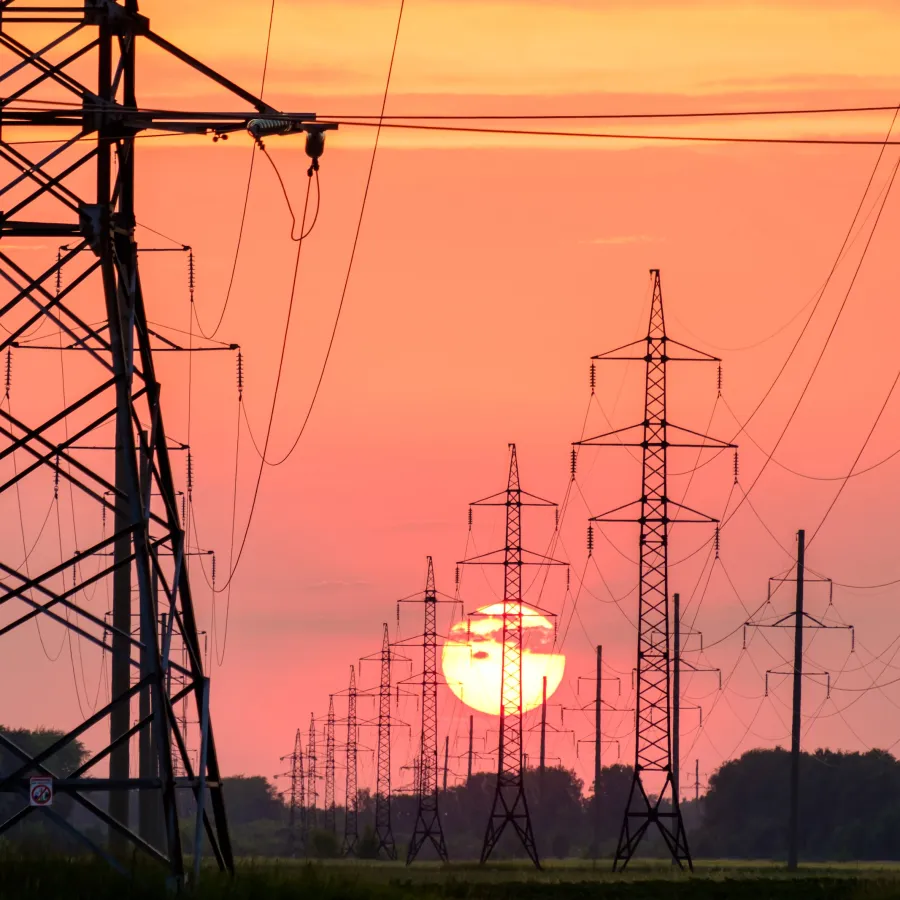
point(849, 810)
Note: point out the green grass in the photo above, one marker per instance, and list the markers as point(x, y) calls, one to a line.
point(49, 879)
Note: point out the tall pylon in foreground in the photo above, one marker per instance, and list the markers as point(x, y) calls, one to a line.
point(510, 806)
point(351, 819)
point(651, 798)
point(428, 821)
point(72, 119)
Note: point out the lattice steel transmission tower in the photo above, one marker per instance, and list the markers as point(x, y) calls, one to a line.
point(312, 788)
point(69, 124)
point(384, 835)
point(656, 803)
point(351, 819)
point(509, 805)
point(428, 821)
point(296, 792)
point(330, 822)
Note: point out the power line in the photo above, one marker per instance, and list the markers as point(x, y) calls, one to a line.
point(696, 114)
point(312, 403)
point(666, 138)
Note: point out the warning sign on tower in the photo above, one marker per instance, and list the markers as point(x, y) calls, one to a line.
point(40, 792)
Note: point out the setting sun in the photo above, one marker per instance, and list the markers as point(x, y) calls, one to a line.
point(472, 659)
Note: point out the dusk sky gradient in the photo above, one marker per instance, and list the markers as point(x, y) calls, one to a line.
point(489, 271)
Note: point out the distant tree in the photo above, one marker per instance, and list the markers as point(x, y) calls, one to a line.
point(849, 806)
point(251, 798)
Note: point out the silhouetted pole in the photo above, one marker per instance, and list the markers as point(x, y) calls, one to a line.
point(676, 700)
point(446, 758)
point(544, 726)
point(793, 827)
point(598, 743)
point(471, 733)
point(696, 779)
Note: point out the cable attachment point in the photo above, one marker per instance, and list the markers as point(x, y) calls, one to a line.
point(457, 576)
point(56, 479)
point(717, 541)
point(568, 577)
point(735, 467)
point(240, 375)
point(593, 377)
point(8, 370)
point(190, 473)
point(59, 270)
point(719, 380)
point(470, 518)
point(556, 519)
point(574, 462)
point(590, 540)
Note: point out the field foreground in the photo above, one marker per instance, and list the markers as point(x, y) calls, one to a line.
point(567, 880)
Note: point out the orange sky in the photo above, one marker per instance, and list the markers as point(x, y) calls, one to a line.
point(489, 271)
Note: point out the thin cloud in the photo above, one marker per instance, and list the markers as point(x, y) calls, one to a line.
point(625, 239)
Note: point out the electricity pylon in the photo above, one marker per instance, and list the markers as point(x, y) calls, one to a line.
point(330, 823)
point(312, 788)
point(296, 791)
point(653, 804)
point(351, 819)
point(70, 124)
point(509, 806)
point(428, 821)
point(799, 621)
point(384, 834)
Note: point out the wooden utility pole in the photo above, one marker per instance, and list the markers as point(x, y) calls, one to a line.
point(794, 823)
point(598, 743)
point(543, 727)
point(676, 699)
point(471, 733)
point(446, 759)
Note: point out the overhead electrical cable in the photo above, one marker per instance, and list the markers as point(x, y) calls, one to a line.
point(240, 237)
point(602, 135)
point(264, 461)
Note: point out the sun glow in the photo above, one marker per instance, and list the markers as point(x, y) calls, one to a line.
point(472, 659)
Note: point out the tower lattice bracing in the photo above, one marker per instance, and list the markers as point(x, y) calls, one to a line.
point(428, 820)
point(330, 822)
point(70, 120)
point(510, 807)
point(651, 798)
point(351, 819)
point(384, 834)
point(312, 787)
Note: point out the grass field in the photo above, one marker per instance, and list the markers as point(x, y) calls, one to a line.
point(560, 880)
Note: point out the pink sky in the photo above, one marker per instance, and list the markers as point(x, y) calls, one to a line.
point(489, 271)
